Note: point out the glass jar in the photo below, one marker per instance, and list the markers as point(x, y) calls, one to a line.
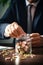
point(23, 45)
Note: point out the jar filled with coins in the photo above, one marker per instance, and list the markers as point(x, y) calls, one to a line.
point(23, 45)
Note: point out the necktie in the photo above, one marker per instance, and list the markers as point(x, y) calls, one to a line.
point(29, 19)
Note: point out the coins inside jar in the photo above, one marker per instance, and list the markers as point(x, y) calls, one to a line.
point(23, 45)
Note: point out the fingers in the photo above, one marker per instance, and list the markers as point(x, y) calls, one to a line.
point(14, 25)
point(34, 34)
point(20, 31)
point(35, 38)
point(17, 32)
point(14, 30)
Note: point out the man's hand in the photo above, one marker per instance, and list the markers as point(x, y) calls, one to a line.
point(14, 30)
point(35, 39)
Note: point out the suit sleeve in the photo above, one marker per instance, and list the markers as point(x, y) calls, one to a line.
point(2, 30)
point(4, 21)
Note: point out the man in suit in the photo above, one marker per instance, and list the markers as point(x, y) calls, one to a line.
point(14, 22)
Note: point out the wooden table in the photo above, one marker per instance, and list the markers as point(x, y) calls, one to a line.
point(37, 59)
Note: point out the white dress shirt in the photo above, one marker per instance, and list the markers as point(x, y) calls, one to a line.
point(33, 7)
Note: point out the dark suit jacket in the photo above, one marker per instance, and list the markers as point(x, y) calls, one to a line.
point(18, 12)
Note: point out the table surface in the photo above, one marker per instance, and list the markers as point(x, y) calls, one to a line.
point(36, 59)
